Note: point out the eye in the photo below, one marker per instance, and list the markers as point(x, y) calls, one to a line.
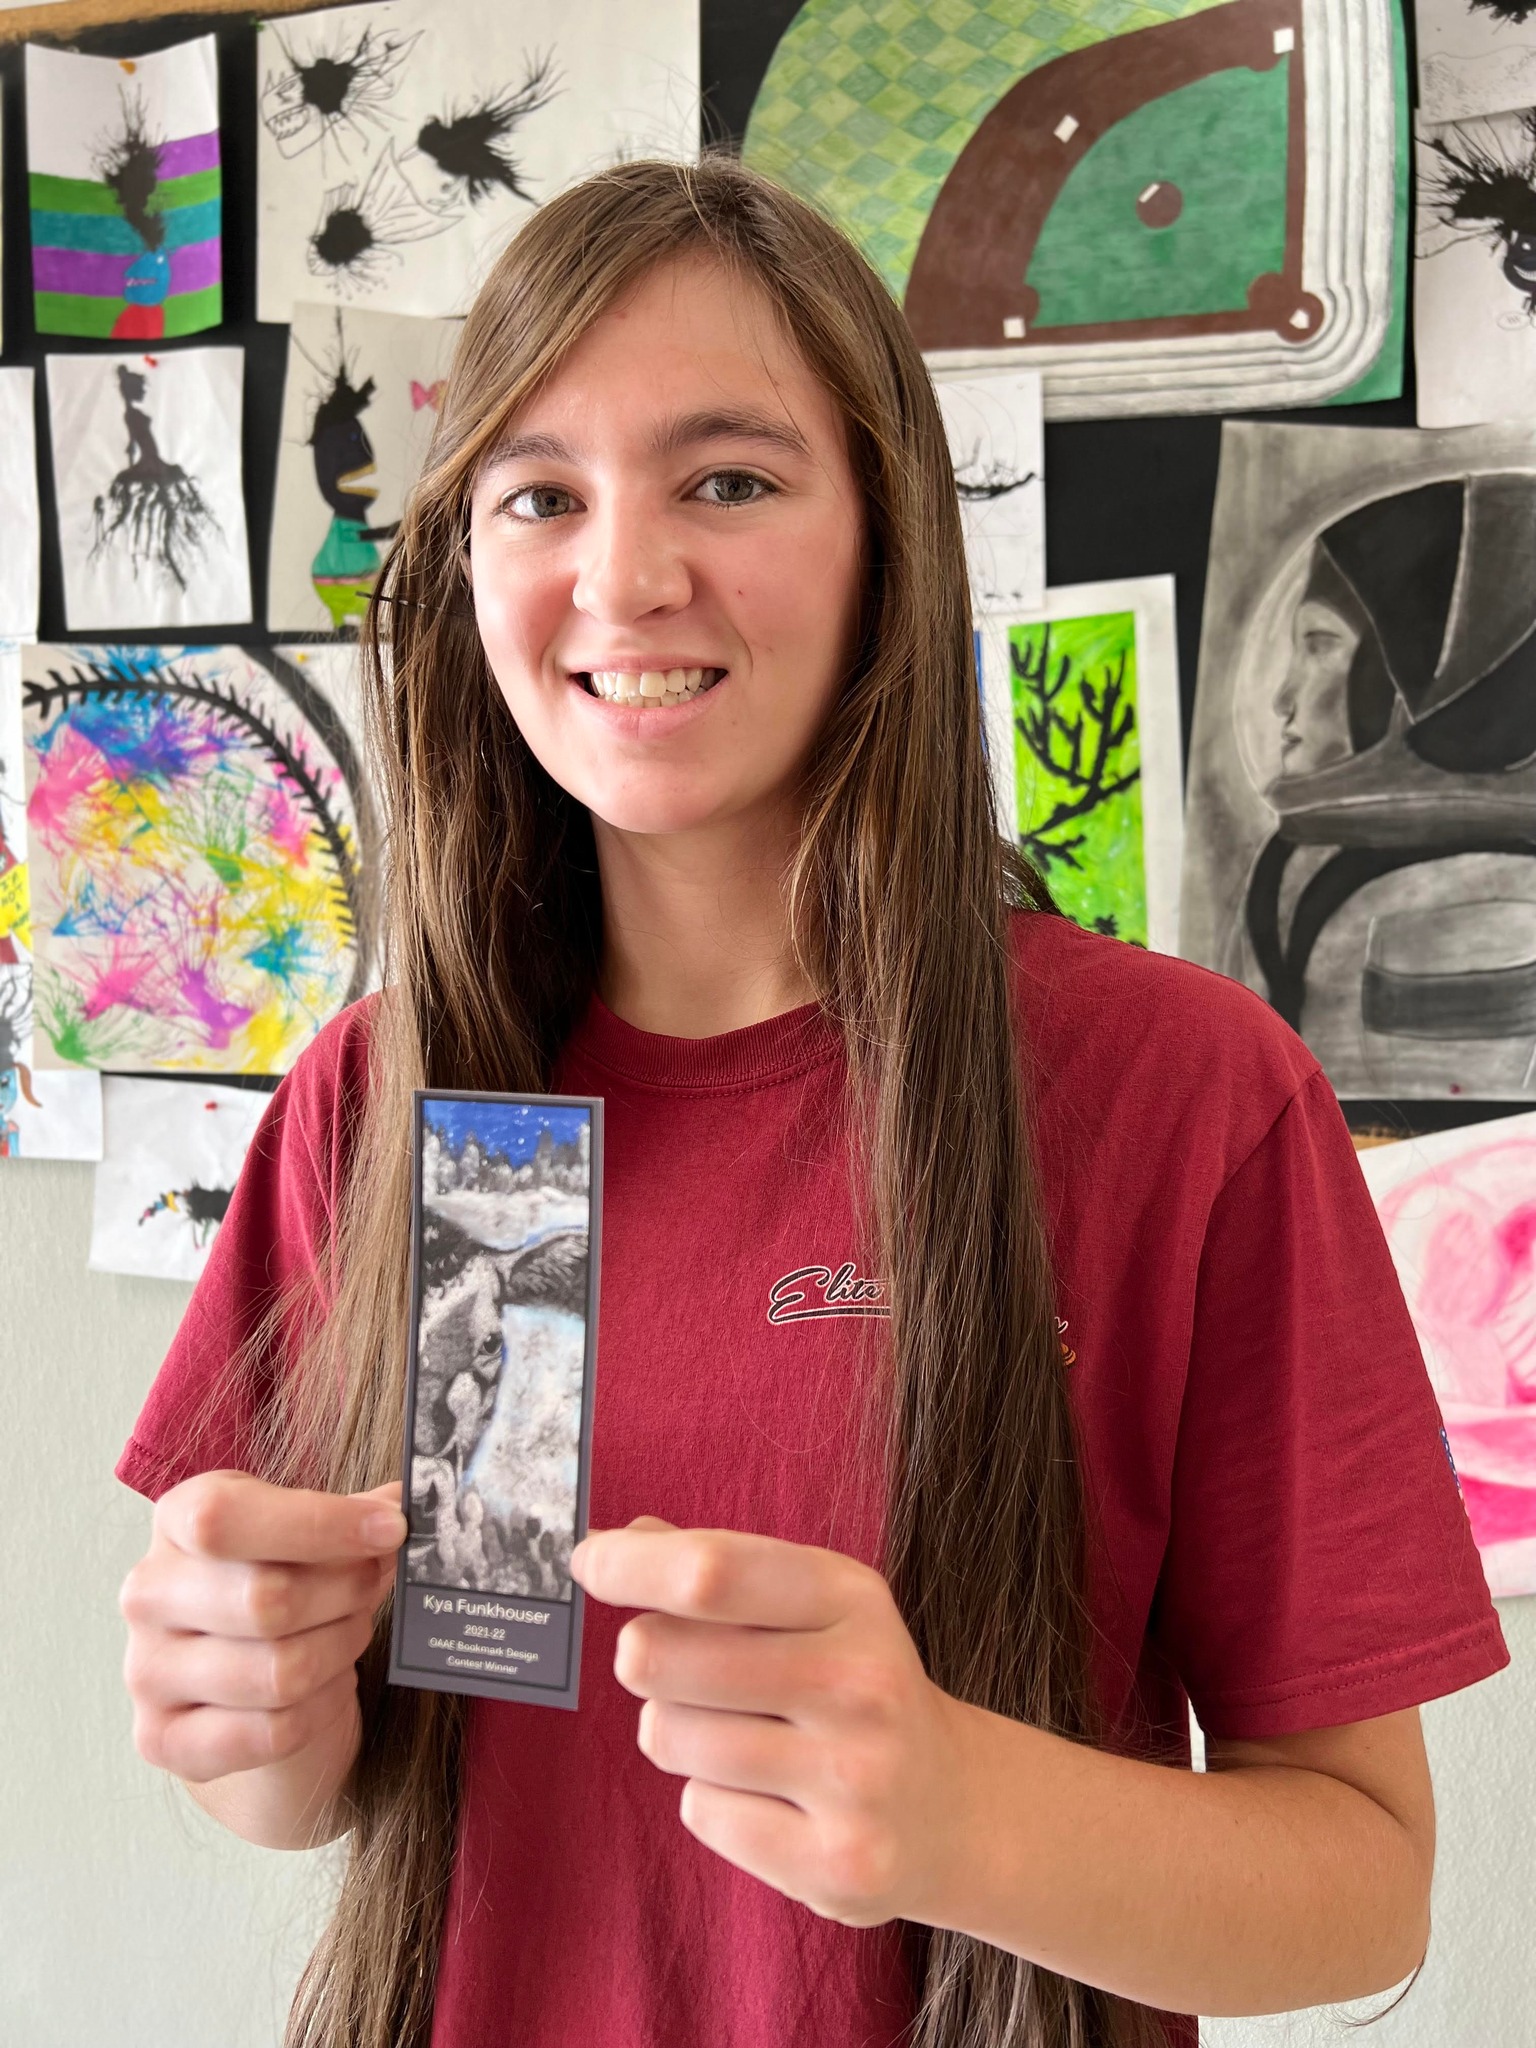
point(537, 502)
point(733, 487)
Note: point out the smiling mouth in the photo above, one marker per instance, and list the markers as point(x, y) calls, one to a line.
point(650, 689)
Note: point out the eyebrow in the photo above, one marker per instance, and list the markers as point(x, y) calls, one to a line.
point(729, 423)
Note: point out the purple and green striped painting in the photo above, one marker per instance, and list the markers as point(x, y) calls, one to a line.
point(126, 192)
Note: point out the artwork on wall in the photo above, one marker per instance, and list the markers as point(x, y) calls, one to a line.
point(201, 845)
point(997, 445)
point(1459, 1211)
point(172, 1155)
point(18, 494)
point(1474, 318)
point(42, 1115)
point(125, 191)
point(1082, 715)
point(399, 144)
point(1475, 57)
point(359, 407)
point(146, 461)
point(1361, 819)
point(1198, 213)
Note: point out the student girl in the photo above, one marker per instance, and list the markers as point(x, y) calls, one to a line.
point(998, 1347)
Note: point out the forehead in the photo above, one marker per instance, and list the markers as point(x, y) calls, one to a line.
point(692, 334)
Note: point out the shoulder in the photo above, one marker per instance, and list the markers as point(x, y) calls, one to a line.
point(1148, 1051)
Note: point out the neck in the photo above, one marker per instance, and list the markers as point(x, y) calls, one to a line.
point(695, 932)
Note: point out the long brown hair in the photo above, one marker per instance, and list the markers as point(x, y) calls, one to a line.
point(897, 901)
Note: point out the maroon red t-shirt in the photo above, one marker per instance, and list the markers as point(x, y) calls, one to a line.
point(1279, 1534)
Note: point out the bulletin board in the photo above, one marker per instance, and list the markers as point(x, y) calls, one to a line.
point(1124, 497)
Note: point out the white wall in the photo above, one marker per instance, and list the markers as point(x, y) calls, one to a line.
point(126, 1917)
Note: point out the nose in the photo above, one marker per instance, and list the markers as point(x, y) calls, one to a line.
point(1284, 701)
point(630, 564)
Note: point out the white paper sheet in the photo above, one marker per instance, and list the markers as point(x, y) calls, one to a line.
point(1144, 767)
point(1456, 1207)
point(449, 125)
point(1475, 57)
point(126, 192)
point(173, 1153)
point(1474, 296)
point(997, 445)
point(146, 457)
point(19, 525)
point(359, 406)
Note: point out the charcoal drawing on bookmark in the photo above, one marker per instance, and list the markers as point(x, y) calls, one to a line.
point(498, 1424)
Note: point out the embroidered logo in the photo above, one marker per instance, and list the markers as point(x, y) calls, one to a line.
point(1069, 1356)
point(811, 1292)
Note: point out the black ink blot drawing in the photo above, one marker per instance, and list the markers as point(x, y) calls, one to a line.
point(347, 565)
point(152, 507)
point(336, 91)
point(1517, 11)
point(401, 143)
point(1479, 184)
point(203, 1208)
point(147, 470)
point(359, 410)
point(469, 150)
point(169, 1168)
point(362, 227)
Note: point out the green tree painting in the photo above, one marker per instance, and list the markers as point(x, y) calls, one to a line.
point(1077, 766)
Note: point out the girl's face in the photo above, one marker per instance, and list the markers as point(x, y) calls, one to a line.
point(666, 557)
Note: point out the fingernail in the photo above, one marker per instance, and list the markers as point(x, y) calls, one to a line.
point(384, 1530)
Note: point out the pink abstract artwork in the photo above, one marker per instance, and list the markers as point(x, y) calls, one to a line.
point(1459, 1211)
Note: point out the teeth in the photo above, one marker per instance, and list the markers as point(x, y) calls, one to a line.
point(652, 686)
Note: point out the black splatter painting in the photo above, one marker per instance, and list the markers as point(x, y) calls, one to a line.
point(1479, 184)
point(470, 147)
point(1517, 11)
point(152, 507)
point(203, 1208)
point(335, 95)
point(362, 226)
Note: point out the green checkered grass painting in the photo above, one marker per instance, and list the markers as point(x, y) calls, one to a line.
point(866, 104)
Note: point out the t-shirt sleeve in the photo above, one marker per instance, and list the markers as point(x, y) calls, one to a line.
point(264, 1279)
point(1320, 1567)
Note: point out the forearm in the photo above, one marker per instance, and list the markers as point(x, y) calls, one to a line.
point(1249, 1890)
point(298, 1803)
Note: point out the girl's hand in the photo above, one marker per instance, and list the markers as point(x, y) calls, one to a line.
point(781, 1682)
point(246, 1617)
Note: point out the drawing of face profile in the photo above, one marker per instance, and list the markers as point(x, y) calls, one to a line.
point(1312, 701)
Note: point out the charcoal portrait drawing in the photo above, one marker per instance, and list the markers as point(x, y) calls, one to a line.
point(1361, 833)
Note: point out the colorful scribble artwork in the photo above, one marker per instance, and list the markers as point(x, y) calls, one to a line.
point(200, 838)
point(359, 408)
point(171, 1158)
point(1459, 1211)
point(126, 192)
point(147, 471)
point(1168, 206)
point(400, 143)
point(42, 1115)
point(1082, 704)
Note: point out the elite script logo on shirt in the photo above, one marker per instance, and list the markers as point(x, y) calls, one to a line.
point(811, 1292)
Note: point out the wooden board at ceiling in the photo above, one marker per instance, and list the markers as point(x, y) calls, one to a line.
point(68, 17)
